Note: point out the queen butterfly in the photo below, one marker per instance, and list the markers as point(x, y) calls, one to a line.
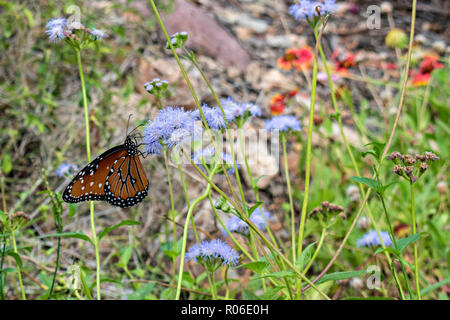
point(116, 176)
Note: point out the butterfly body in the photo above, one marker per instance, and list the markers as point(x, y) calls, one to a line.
point(116, 176)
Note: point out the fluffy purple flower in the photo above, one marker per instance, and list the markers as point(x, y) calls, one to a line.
point(66, 168)
point(98, 34)
point(370, 239)
point(282, 123)
point(259, 217)
point(55, 29)
point(214, 252)
point(307, 8)
point(169, 128)
point(234, 110)
point(208, 156)
point(213, 116)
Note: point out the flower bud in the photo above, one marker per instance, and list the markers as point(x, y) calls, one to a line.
point(178, 40)
point(396, 38)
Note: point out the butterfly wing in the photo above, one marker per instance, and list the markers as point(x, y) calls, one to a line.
point(89, 183)
point(126, 183)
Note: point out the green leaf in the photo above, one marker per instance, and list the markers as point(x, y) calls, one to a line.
point(77, 235)
point(404, 242)
point(142, 292)
point(271, 294)
point(371, 183)
point(387, 249)
point(277, 274)
point(255, 266)
point(341, 275)
point(252, 209)
point(2, 216)
point(434, 286)
point(125, 256)
point(304, 258)
point(368, 298)
point(7, 163)
point(248, 295)
point(122, 223)
point(16, 257)
point(72, 209)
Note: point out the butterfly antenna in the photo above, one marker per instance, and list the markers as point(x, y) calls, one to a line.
point(128, 122)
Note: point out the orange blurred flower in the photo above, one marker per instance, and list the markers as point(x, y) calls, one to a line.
point(277, 104)
point(343, 61)
point(298, 58)
point(278, 101)
point(429, 63)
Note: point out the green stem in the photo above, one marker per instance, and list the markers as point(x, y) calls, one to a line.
point(172, 214)
point(185, 232)
point(319, 246)
point(58, 248)
point(194, 95)
point(19, 271)
point(212, 284)
point(183, 182)
point(291, 201)
point(88, 151)
point(1, 268)
point(247, 167)
point(394, 241)
point(387, 146)
point(416, 258)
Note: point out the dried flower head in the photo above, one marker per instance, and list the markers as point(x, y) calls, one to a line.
point(353, 193)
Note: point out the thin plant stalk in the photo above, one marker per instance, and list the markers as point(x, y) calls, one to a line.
point(185, 232)
point(19, 269)
point(272, 247)
point(291, 201)
point(386, 148)
point(416, 258)
point(172, 213)
point(247, 167)
point(308, 156)
point(319, 246)
point(88, 151)
point(347, 145)
point(191, 88)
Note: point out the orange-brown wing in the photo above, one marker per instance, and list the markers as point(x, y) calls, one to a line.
point(126, 183)
point(89, 183)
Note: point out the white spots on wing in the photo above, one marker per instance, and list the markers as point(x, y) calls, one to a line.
point(91, 184)
point(99, 185)
point(82, 188)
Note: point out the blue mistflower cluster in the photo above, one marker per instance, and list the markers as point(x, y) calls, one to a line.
point(307, 8)
point(259, 217)
point(370, 239)
point(58, 29)
point(282, 123)
point(235, 112)
point(213, 253)
point(170, 127)
point(208, 156)
point(66, 168)
point(55, 28)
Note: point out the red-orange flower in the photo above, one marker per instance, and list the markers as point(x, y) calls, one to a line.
point(343, 61)
point(298, 58)
point(429, 63)
point(421, 79)
point(277, 104)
